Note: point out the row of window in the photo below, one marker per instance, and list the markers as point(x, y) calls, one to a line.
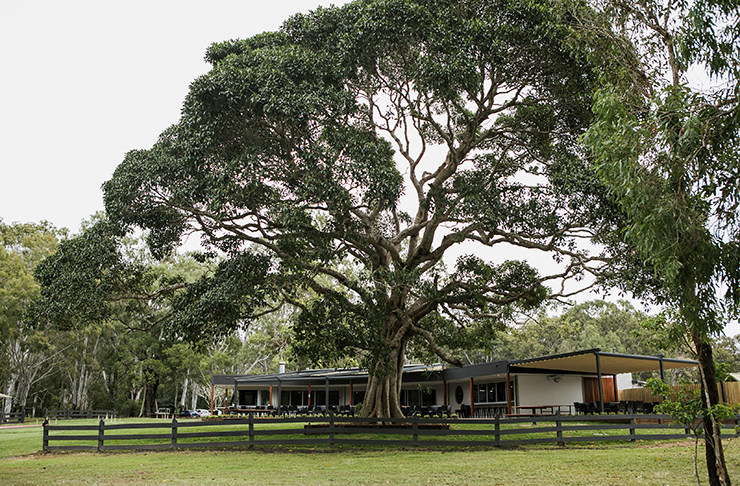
point(490, 392)
point(483, 393)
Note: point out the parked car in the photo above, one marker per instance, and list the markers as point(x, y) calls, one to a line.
point(203, 412)
point(188, 413)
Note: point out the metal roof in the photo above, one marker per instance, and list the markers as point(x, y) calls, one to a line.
point(334, 375)
point(583, 362)
point(610, 363)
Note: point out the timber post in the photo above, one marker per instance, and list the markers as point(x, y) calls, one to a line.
point(251, 430)
point(497, 429)
point(101, 434)
point(45, 443)
point(415, 426)
point(331, 428)
point(174, 433)
point(559, 428)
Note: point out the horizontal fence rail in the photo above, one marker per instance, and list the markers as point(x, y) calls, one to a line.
point(12, 418)
point(79, 414)
point(257, 431)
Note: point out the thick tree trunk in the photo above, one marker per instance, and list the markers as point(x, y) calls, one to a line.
point(716, 467)
point(10, 391)
point(382, 398)
point(149, 407)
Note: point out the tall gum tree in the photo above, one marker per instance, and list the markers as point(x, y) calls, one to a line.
point(668, 152)
point(358, 146)
point(28, 352)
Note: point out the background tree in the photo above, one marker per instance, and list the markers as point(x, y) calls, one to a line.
point(358, 147)
point(101, 277)
point(669, 154)
point(28, 351)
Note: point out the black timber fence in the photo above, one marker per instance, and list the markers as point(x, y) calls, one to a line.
point(79, 414)
point(332, 430)
point(12, 418)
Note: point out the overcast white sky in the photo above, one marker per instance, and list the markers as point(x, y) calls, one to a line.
point(84, 82)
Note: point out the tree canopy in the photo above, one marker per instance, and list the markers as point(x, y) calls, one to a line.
point(357, 148)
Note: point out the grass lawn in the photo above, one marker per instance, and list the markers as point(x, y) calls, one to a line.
point(641, 463)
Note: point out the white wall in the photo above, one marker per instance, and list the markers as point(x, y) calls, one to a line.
point(538, 390)
point(624, 381)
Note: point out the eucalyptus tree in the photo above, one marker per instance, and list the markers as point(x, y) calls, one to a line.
point(668, 152)
point(357, 148)
point(28, 350)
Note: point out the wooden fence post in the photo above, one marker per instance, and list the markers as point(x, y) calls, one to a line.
point(497, 430)
point(101, 433)
point(416, 429)
point(632, 429)
point(45, 443)
point(331, 429)
point(174, 433)
point(559, 428)
point(251, 430)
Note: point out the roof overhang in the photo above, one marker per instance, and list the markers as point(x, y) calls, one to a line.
point(333, 376)
point(609, 363)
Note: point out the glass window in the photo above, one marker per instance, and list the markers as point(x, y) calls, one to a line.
point(429, 397)
point(296, 397)
point(247, 397)
point(480, 396)
point(501, 391)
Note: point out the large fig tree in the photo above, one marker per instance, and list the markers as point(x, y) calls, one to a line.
point(378, 154)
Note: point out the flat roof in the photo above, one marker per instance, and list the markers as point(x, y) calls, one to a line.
point(610, 363)
point(334, 375)
point(583, 362)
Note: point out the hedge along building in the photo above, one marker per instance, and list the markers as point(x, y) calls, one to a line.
point(546, 383)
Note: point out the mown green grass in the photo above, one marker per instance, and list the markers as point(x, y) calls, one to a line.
point(654, 464)
point(640, 463)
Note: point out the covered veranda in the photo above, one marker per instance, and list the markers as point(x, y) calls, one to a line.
point(600, 364)
point(541, 384)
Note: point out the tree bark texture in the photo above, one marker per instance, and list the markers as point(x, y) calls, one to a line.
point(716, 466)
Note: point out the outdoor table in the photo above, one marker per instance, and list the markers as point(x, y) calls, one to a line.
point(536, 408)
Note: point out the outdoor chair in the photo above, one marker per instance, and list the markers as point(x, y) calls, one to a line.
point(463, 411)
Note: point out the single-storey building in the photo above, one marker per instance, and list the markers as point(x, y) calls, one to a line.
point(534, 385)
